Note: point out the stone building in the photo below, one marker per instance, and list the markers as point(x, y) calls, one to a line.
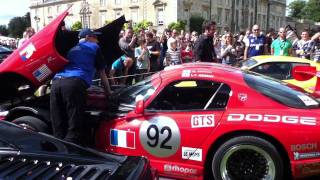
point(235, 15)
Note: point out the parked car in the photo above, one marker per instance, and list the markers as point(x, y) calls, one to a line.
point(280, 67)
point(4, 52)
point(29, 155)
point(193, 121)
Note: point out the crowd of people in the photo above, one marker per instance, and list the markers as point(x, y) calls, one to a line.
point(147, 52)
point(13, 43)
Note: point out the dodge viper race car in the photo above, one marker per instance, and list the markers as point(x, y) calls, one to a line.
point(280, 67)
point(30, 155)
point(192, 121)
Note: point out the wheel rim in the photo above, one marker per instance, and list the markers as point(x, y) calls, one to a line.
point(247, 162)
point(26, 126)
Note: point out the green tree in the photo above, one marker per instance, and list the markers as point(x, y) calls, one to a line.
point(76, 26)
point(180, 25)
point(4, 30)
point(142, 25)
point(196, 23)
point(17, 26)
point(312, 10)
point(296, 9)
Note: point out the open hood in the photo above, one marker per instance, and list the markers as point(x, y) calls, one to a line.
point(40, 57)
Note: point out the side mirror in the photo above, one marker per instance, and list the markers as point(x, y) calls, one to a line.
point(304, 73)
point(139, 107)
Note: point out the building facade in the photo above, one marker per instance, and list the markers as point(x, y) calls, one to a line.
point(235, 15)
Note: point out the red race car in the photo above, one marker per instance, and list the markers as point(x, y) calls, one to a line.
point(194, 121)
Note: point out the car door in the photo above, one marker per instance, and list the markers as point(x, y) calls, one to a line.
point(180, 118)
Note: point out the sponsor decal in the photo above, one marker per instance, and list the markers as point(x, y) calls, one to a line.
point(242, 97)
point(192, 153)
point(311, 121)
point(309, 168)
point(206, 75)
point(200, 121)
point(27, 52)
point(169, 168)
point(298, 156)
point(42, 73)
point(121, 138)
point(160, 136)
point(186, 73)
point(307, 100)
point(304, 147)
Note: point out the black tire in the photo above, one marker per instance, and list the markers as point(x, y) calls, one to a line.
point(247, 157)
point(32, 123)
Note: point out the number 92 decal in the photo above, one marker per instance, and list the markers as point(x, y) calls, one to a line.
point(160, 136)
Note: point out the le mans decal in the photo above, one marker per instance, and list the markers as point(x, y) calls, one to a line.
point(27, 52)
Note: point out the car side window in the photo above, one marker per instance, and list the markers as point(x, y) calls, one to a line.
point(191, 95)
point(276, 70)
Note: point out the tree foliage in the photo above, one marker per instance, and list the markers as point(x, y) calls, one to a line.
point(312, 10)
point(305, 9)
point(142, 25)
point(4, 30)
point(180, 25)
point(295, 8)
point(196, 23)
point(76, 26)
point(18, 25)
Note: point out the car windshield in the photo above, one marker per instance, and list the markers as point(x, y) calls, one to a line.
point(248, 63)
point(141, 90)
point(280, 91)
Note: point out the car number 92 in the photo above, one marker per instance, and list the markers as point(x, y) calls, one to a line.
point(160, 136)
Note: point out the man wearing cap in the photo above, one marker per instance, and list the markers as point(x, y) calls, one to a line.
point(69, 86)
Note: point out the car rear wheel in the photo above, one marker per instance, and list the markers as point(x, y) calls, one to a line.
point(31, 123)
point(247, 157)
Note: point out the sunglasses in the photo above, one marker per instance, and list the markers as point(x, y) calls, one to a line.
point(256, 29)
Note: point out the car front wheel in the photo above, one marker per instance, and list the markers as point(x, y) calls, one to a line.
point(247, 157)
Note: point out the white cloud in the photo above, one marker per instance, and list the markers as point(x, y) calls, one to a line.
point(13, 8)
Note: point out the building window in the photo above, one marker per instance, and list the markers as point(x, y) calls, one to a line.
point(117, 2)
point(205, 14)
point(134, 16)
point(134, 1)
point(102, 2)
point(49, 11)
point(117, 13)
point(58, 9)
point(219, 16)
point(227, 15)
point(160, 16)
point(186, 14)
point(103, 18)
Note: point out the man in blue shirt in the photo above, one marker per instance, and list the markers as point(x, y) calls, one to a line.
point(255, 44)
point(69, 87)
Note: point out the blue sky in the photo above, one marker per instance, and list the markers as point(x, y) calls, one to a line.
point(12, 8)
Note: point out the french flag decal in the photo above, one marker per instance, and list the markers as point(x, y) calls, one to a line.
point(121, 138)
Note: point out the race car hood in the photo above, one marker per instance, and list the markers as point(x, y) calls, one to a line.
point(40, 57)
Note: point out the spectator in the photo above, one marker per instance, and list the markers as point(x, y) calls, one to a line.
point(26, 35)
point(173, 55)
point(228, 51)
point(186, 54)
point(301, 47)
point(281, 46)
point(203, 48)
point(315, 47)
point(127, 43)
point(154, 50)
point(270, 37)
point(120, 67)
point(143, 59)
point(164, 47)
point(255, 44)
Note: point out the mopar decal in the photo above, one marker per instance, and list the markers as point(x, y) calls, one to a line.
point(168, 168)
point(160, 136)
point(309, 155)
point(27, 52)
point(273, 118)
point(200, 121)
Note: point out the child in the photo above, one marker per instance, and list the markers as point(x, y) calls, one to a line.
point(173, 55)
point(142, 55)
point(186, 54)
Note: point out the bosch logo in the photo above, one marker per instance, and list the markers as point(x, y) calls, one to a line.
point(177, 169)
point(304, 147)
point(311, 121)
